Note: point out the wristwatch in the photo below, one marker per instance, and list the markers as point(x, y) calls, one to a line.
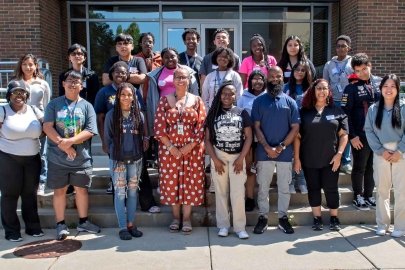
point(283, 145)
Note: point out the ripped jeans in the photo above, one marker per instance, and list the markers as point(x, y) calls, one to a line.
point(126, 179)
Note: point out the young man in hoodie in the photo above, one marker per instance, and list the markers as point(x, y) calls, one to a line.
point(336, 72)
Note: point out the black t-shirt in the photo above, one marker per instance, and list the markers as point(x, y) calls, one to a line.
point(319, 135)
point(136, 65)
point(228, 127)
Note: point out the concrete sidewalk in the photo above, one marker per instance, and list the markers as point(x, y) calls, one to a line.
point(354, 247)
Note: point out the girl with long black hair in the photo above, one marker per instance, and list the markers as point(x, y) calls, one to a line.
point(228, 137)
point(125, 136)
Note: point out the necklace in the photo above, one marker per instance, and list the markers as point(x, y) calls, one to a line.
point(125, 114)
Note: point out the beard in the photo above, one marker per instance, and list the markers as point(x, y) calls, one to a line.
point(274, 89)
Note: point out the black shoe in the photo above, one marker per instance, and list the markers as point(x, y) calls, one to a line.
point(35, 233)
point(284, 225)
point(70, 190)
point(125, 235)
point(318, 225)
point(208, 169)
point(135, 232)
point(334, 224)
point(370, 202)
point(261, 225)
point(14, 237)
point(359, 203)
point(249, 204)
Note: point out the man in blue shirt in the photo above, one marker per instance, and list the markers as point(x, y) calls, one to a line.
point(276, 120)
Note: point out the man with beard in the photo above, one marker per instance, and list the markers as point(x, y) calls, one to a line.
point(276, 121)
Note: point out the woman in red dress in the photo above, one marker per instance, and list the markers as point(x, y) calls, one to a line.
point(179, 128)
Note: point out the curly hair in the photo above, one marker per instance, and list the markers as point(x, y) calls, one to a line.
point(309, 100)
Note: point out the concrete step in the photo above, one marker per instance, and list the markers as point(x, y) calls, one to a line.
point(202, 216)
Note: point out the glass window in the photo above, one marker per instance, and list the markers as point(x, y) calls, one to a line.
point(200, 12)
point(320, 46)
point(102, 36)
point(276, 12)
point(78, 33)
point(123, 12)
point(275, 35)
point(209, 38)
point(77, 11)
point(320, 13)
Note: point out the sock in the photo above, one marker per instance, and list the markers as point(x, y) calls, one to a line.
point(82, 220)
point(62, 222)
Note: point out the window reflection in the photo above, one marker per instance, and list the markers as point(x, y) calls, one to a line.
point(276, 12)
point(123, 12)
point(200, 12)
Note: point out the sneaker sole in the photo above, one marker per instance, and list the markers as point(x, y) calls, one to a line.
point(361, 208)
point(62, 236)
point(84, 230)
point(15, 240)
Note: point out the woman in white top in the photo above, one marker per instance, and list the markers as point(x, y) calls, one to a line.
point(39, 95)
point(224, 59)
point(20, 163)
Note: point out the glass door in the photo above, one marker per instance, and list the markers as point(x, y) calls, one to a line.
point(172, 35)
point(207, 36)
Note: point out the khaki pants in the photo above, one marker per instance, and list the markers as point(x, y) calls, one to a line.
point(387, 174)
point(232, 185)
point(265, 171)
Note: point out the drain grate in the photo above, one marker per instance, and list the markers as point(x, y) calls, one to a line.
point(48, 248)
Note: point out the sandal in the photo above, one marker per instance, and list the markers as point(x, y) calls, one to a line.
point(187, 229)
point(174, 226)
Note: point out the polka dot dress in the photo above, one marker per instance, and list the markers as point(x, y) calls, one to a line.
point(181, 179)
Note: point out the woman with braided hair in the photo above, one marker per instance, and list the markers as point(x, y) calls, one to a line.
point(125, 136)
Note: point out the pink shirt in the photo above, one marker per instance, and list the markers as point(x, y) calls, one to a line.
point(165, 82)
point(248, 65)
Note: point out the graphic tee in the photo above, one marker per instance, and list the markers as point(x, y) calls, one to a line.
point(228, 126)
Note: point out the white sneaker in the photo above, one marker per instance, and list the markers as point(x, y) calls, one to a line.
point(41, 189)
point(243, 235)
point(381, 231)
point(397, 233)
point(303, 189)
point(292, 189)
point(223, 232)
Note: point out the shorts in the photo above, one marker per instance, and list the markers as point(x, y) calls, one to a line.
point(60, 177)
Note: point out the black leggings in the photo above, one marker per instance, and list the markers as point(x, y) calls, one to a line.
point(322, 178)
point(19, 177)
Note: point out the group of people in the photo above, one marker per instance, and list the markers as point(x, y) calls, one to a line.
point(241, 120)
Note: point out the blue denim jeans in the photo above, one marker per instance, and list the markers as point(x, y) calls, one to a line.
point(126, 178)
point(44, 160)
point(346, 159)
point(297, 179)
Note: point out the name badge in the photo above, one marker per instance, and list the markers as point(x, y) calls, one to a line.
point(61, 114)
point(287, 74)
point(330, 117)
point(180, 128)
point(133, 70)
point(214, 66)
point(335, 71)
point(162, 83)
point(339, 88)
point(84, 83)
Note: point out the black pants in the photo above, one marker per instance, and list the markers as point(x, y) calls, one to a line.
point(363, 170)
point(145, 193)
point(323, 178)
point(19, 177)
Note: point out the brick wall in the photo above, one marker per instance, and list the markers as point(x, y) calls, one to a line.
point(378, 29)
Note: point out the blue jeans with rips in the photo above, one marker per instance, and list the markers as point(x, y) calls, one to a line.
point(126, 178)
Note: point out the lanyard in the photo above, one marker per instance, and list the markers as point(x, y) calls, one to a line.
point(71, 112)
point(181, 109)
point(188, 60)
point(71, 129)
point(218, 79)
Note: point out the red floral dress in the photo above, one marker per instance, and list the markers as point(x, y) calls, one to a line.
point(181, 179)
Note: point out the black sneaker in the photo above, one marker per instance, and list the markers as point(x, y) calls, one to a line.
point(14, 237)
point(359, 203)
point(110, 189)
point(284, 225)
point(261, 225)
point(135, 232)
point(370, 202)
point(334, 224)
point(249, 204)
point(318, 225)
point(35, 233)
point(124, 234)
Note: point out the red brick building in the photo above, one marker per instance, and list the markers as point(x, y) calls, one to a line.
point(47, 27)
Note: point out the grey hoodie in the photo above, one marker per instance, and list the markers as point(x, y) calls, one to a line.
point(336, 72)
point(246, 100)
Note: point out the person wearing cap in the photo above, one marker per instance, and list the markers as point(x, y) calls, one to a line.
point(124, 44)
point(336, 72)
point(20, 162)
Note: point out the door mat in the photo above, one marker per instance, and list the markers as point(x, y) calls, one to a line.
point(49, 248)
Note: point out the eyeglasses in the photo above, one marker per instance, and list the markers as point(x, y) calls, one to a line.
point(120, 72)
point(342, 46)
point(77, 54)
point(19, 93)
point(73, 82)
point(300, 70)
point(181, 78)
point(258, 79)
point(123, 43)
point(320, 88)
